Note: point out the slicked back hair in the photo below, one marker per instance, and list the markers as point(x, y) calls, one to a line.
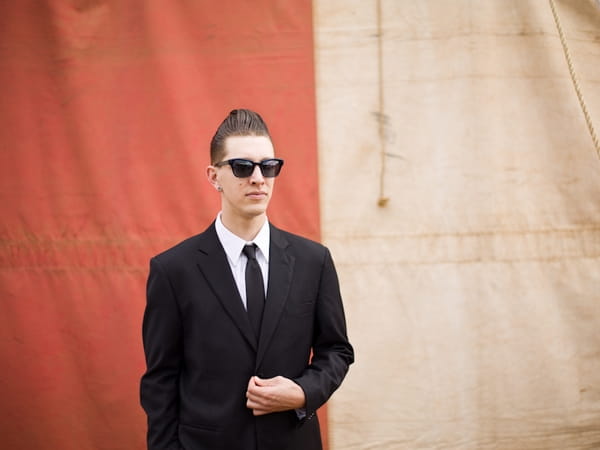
point(239, 122)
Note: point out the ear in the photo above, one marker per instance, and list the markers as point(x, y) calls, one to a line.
point(211, 175)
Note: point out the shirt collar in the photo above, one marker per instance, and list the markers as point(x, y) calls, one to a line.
point(233, 244)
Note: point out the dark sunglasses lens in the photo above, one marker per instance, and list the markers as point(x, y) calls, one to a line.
point(242, 168)
point(270, 168)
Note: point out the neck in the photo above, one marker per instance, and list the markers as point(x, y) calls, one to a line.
point(245, 228)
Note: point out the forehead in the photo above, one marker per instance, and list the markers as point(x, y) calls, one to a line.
point(250, 147)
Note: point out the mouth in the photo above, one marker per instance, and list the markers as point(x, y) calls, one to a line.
point(256, 195)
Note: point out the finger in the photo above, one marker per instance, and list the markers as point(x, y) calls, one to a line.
point(255, 398)
point(253, 404)
point(258, 408)
point(267, 381)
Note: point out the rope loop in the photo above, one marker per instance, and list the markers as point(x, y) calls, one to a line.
point(567, 53)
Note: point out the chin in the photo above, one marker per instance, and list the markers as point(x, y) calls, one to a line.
point(262, 212)
point(255, 212)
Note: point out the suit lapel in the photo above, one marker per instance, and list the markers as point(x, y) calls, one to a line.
point(281, 267)
point(212, 262)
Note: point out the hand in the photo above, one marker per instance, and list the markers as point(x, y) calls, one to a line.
point(273, 395)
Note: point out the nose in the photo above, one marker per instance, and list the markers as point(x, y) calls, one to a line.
point(256, 176)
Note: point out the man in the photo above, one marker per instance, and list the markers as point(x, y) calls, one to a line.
point(244, 329)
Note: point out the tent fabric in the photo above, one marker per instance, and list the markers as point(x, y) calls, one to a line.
point(473, 295)
point(106, 116)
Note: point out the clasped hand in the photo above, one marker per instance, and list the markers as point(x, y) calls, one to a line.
point(276, 394)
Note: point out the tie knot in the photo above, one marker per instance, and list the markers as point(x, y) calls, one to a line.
point(250, 251)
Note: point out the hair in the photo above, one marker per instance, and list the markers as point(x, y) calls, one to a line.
point(239, 122)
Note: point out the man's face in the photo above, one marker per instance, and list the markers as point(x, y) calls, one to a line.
point(244, 198)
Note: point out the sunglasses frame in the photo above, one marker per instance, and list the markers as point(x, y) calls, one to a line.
point(263, 165)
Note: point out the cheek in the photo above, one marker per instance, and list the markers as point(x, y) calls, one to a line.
point(234, 185)
point(239, 188)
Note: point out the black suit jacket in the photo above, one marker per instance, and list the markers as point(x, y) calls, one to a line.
point(201, 350)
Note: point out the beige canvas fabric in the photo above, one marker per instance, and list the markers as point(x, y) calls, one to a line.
point(473, 296)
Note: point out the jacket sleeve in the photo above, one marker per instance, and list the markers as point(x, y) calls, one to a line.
point(332, 352)
point(161, 333)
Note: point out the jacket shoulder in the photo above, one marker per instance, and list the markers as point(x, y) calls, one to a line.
point(183, 249)
point(298, 242)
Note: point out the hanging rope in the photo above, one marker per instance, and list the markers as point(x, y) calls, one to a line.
point(383, 200)
point(586, 114)
point(380, 115)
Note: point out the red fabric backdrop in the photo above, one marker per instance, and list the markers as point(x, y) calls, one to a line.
point(106, 113)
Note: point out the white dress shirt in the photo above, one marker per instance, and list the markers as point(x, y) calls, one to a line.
point(234, 245)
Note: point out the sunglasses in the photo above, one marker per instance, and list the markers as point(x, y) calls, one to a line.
point(243, 168)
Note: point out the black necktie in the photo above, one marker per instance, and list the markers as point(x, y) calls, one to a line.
point(255, 291)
